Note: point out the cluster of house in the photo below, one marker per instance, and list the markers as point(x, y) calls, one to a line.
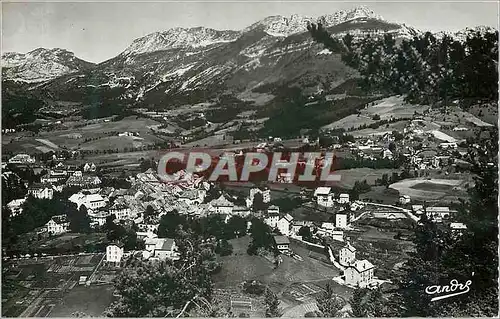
point(326, 197)
point(155, 249)
point(368, 148)
point(357, 273)
point(436, 213)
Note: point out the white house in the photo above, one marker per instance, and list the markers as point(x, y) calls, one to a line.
point(90, 201)
point(404, 199)
point(347, 254)
point(41, 192)
point(122, 211)
point(273, 216)
point(359, 273)
point(324, 196)
point(22, 159)
point(282, 243)
point(98, 218)
point(341, 220)
point(417, 209)
point(284, 224)
point(89, 167)
point(57, 225)
point(114, 253)
point(343, 198)
point(438, 213)
point(387, 154)
point(160, 249)
point(16, 206)
point(222, 206)
point(265, 192)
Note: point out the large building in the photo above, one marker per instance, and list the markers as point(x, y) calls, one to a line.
point(359, 273)
point(324, 196)
point(160, 249)
point(41, 191)
point(114, 253)
point(57, 225)
point(347, 255)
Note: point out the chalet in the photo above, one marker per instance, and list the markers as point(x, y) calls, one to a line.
point(89, 167)
point(41, 192)
point(359, 273)
point(282, 243)
point(77, 179)
point(98, 218)
point(297, 225)
point(404, 199)
point(122, 211)
point(343, 198)
point(284, 224)
point(273, 216)
point(90, 201)
point(222, 206)
point(347, 254)
point(265, 192)
point(54, 176)
point(341, 220)
point(16, 206)
point(324, 196)
point(438, 213)
point(57, 225)
point(114, 253)
point(22, 159)
point(161, 249)
point(417, 209)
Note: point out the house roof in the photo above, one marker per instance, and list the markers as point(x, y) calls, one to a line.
point(437, 209)
point(116, 244)
point(344, 195)
point(288, 217)
point(458, 226)
point(362, 265)
point(160, 243)
point(281, 240)
point(60, 219)
point(221, 201)
point(350, 247)
point(322, 191)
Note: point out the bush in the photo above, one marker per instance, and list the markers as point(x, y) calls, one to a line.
point(254, 287)
point(376, 117)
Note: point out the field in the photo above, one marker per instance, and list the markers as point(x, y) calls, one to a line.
point(430, 189)
point(391, 107)
point(295, 282)
point(350, 176)
point(374, 240)
point(46, 286)
point(97, 136)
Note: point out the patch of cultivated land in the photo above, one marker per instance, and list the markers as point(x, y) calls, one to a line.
point(391, 107)
point(240, 266)
point(92, 300)
point(349, 176)
point(429, 189)
point(74, 137)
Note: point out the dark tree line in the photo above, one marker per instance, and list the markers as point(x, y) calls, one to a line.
point(426, 68)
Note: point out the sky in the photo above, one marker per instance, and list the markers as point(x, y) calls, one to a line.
point(97, 31)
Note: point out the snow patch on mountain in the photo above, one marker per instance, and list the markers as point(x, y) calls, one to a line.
point(180, 38)
point(41, 64)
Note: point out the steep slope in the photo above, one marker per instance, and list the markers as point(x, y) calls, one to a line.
point(180, 66)
point(41, 65)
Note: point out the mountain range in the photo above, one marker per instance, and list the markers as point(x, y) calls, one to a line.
point(192, 65)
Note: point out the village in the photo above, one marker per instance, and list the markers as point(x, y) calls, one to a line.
point(334, 224)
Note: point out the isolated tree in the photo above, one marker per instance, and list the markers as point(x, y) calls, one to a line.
point(272, 305)
point(329, 303)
